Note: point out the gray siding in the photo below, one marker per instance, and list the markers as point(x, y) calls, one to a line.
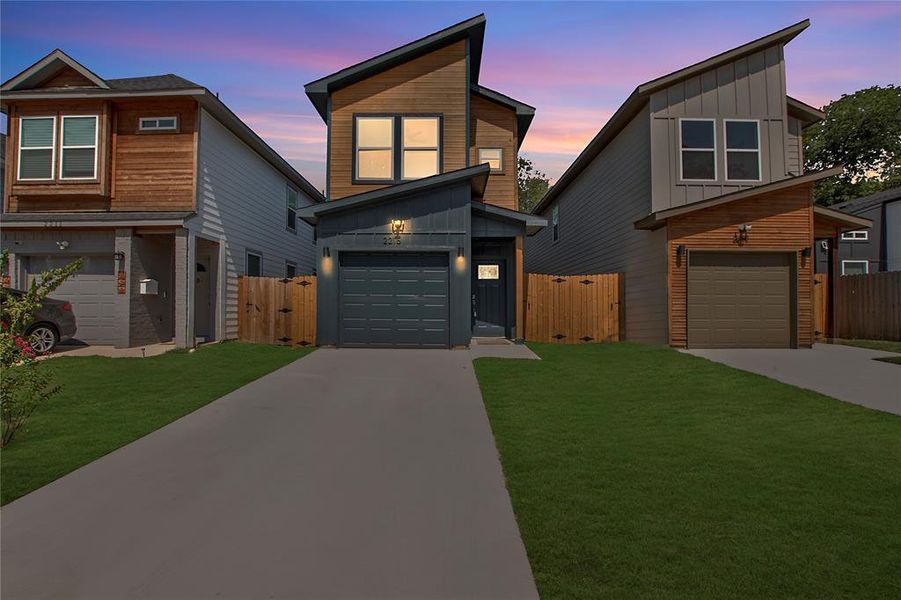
point(893, 236)
point(749, 88)
point(794, 148)
point(242, 202)
point(596, 217)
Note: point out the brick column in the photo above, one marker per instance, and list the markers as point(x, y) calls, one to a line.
point(123, 300)
point(184, 288)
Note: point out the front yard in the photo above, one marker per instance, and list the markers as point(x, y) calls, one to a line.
point(641, 472)
point(109, 402)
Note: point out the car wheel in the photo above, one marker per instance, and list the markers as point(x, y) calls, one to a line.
point(43, 338)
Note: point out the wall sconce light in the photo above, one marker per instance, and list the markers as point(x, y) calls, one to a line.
point(397, 226)
point(805, 252)
point(326, 253)
point(119, 256)
point(460, 251)
point(680, 250)
point(62, 245)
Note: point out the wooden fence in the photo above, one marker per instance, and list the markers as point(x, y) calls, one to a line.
point(821, 322)
point(574, 309)
point(869, 306)
point(277, 311)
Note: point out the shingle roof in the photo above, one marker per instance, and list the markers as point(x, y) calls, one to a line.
point(152, 83)
point(861, 204)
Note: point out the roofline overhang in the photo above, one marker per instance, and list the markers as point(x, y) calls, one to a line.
point(477, 175)
point(94, 220)
point(32, 72)
point(806, 113)
point(524, 112)
point(532, 223)
point(318, 91)
point(658, 219)
point(847, 222)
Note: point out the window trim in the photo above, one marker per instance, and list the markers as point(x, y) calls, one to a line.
point(716, 159)
point(866, 265)
point(52, 149)
point(555, 223)
point(403, 148)
point(247, 254)
point(62, 146)
point(156, 129)
point(289, 210)
point(727, 150)
point(396, 148)
point(865, 238)
point(291, 264)
point(500, 169)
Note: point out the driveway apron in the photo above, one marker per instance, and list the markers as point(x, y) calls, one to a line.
point(347, 474)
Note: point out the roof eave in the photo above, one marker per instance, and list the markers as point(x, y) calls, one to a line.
point(56, 55)
point(806, 113)
point(847, 222)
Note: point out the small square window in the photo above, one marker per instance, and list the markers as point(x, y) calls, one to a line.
point(254, 266)
point(489, 271)
point(290, 269)
point(494, 157)
point(861, 235)
point(158, 123)
point(855, 267)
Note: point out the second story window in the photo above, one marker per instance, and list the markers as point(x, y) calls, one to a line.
point(78, 159)
point(494, 157)
point(555, 222)
point(158, 124)
point(37, 140)
point(420, 147)
point(375, 148)
point(742, 150)
point(697, 147)
point(861, 235)
point(291, 209)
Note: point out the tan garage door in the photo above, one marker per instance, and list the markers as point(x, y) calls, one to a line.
point(739, 300)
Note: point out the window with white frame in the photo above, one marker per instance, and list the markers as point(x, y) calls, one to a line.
point(291, 209)
point(420, 140)
point(374, 148)
point(494, 157)
point(742, 150)
point(78, 158)
point(290, 269)
point(555, 219)
point(158, 123)
point(253, 264)
point(855, 267)
point(860, 235)
point(37, 143)
point(697, 144)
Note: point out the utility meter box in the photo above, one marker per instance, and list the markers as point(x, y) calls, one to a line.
point(150, 287)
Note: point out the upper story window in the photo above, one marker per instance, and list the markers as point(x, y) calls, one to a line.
point(742, 150)
point(158, 124)
point(697, 145)
point(291, 209)
point(395, 148)
point(555, 222)
point(78, 159)
point(494, 157)
point(37, 143)
point(420, 147)
point(860, 235)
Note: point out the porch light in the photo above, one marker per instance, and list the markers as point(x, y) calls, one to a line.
point(326, 253)
point(397, 226)
point(805, 252)
point(459, 251)
point(119, 256)
point(680, 250)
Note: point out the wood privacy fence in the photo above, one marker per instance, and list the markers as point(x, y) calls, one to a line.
point(277, 311)
point(574, 309)
point(821, 322)
point(869, 306)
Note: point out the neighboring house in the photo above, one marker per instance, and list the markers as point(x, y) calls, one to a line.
point(167, 194)
point(876, 248)
point(420, 241)
point(695, 190)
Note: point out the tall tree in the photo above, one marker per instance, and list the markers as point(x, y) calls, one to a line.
point(861, 131)
point(533, 184)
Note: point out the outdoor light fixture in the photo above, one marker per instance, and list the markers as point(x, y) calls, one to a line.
point(397, 226)
point(680, 250)
point(62, 245)
point(326, 253)
point(119, 256)
point(805, 252)
point(743, 230)
point(459, 251)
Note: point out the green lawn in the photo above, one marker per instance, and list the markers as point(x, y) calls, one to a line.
point(109, 402)
point(642, 472)
point(885, 346)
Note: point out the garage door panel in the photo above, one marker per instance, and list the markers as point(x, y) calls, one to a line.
point(394, 300)
point(739, 300)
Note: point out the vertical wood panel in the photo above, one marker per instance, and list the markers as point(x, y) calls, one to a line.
point(869, 306)
point(573, 309)
point(277, 311)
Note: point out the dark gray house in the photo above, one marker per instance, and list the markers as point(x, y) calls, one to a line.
point(872, 249)
point(695, 190)
point(420, 238)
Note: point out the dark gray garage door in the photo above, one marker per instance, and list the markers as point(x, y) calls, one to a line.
point(739, 300)
point(394, 300)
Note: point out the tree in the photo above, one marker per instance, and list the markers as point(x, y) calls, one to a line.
point(24, 383)
point(861, 131)
point(533, 184)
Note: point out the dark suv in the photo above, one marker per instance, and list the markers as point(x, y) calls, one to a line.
point(53, 323)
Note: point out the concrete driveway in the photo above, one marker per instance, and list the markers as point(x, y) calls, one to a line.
point(347, 474)
point(842, 372)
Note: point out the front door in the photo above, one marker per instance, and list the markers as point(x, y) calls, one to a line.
point(489, 299)
point(202, 300)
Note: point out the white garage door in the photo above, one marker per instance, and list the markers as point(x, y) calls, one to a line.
point(91, 291)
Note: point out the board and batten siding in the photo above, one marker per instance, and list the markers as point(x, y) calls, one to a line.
point(794, 148)
point(596, 217)
point(241, 201)
point(752, 87)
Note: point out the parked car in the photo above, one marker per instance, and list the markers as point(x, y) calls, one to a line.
point(53, 323)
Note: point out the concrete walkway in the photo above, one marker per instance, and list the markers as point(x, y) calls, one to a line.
point(842, 372)
point(347, 474)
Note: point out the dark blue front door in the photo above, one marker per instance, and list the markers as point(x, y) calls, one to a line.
point(489, 298)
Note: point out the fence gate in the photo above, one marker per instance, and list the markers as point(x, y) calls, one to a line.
point(573, 309)
point(277, 311)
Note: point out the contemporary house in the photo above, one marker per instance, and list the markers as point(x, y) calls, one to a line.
point(420, 239)
point(869, 250)
point(163, 190)
point(695, 190)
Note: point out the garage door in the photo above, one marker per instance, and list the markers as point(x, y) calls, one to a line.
point(739, 300)
point(394, 300)
point(91, 291)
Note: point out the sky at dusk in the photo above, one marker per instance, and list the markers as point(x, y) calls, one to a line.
point(576, 62)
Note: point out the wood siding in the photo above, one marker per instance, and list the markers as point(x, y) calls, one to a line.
point(576, 309)
point(780, 222)
point(136, 171)
point(263, 318)
point(752, 87)
point(68, 78)
point(434, 83)
point(494, 126)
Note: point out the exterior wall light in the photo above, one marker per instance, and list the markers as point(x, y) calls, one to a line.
point(805, 252)
point(326, 253)
point(460, 251)
point(397, 226)
point(119, 256)
point(680, 250)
